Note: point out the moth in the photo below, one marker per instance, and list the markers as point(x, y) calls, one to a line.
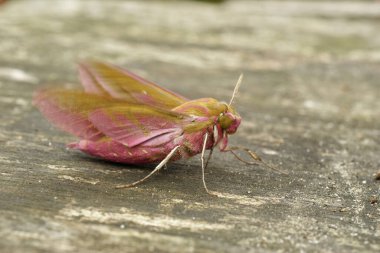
point(124, 118)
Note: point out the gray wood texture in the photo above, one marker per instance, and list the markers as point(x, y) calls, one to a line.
point(310, 103)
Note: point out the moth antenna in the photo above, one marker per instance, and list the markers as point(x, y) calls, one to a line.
point(236, 89)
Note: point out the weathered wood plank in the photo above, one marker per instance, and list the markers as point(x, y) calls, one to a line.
point(310, 104)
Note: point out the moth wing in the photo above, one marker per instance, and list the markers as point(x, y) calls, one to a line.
point(69, 110)
point(134, 124)
point(105, 79)
point(92, 117)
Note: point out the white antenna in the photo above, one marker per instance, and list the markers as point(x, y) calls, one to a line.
point(236, 88)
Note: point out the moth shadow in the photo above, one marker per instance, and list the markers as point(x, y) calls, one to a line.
point(109, 165)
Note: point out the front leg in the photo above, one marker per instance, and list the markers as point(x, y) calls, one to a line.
point(205, 165)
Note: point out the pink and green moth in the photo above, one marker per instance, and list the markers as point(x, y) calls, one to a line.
point(124, 118)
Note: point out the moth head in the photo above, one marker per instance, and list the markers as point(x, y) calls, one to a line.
point(229, 120)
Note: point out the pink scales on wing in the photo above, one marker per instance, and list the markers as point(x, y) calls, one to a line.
point(147, 152)
point(115, 151)
point(135, 130)
point(152, 150)
point(68, 120)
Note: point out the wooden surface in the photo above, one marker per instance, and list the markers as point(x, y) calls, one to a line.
point(309, 101)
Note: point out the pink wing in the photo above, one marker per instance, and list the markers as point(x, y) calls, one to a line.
point(93, 117)
point(104, 79)
point(135, 124)
point(68, 110)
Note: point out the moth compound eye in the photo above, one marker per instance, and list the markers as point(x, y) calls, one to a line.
point(230, 122)
point(225, 120)
point(220, 117)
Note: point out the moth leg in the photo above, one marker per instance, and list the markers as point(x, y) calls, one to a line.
point(157, 169)
point(212, 148)
point(254, 156)
point(209, 157)
point(205, 165)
